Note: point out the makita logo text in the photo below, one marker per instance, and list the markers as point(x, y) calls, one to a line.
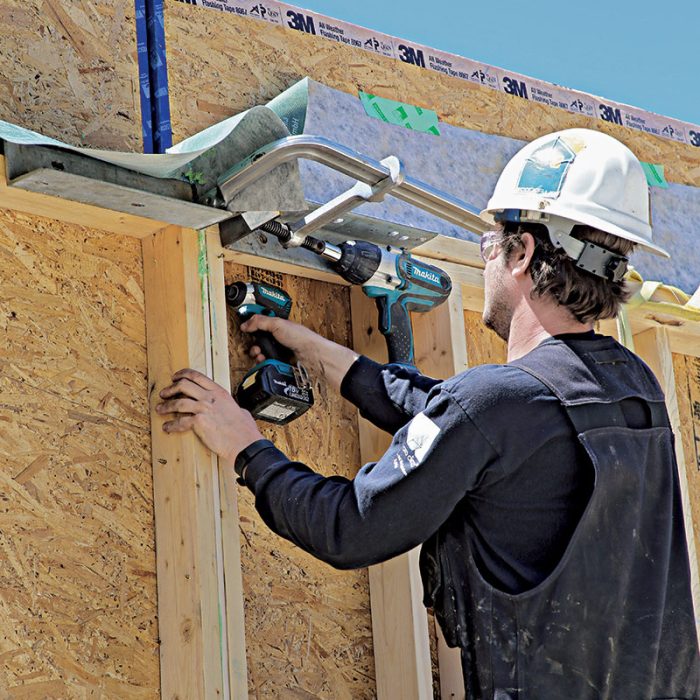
point(274, 295)
point(426, 275)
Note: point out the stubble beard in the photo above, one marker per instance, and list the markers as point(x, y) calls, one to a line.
point(497, 318)
point(497, 311)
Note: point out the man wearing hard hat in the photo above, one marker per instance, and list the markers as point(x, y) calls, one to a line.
point(544, 491)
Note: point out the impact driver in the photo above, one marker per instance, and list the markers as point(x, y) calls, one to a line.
point(273, 390)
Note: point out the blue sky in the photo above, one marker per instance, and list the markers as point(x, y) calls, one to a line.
point(639, 53)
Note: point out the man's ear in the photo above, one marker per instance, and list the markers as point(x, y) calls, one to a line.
point(521, 258)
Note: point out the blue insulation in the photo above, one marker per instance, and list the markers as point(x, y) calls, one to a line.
point(144, 76)
point(160, 102)
point(153, 76)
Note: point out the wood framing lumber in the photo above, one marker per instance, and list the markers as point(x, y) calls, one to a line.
point(73, 212)
point(399, 621)
point(441, 351)
point(653, 346)
point(192, 600)
point(230, 532)
point(451, 250)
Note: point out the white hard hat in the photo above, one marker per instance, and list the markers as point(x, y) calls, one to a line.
point(576, 176)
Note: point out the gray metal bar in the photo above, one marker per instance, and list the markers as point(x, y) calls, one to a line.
point(351, 163)
point(23, 159)
point(359, 193)
point(80, 178)
point(118, 198)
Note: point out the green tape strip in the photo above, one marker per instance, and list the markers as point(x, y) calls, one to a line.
point(401, 114)
point(202, 265)
point(203, 271)
point(655, 175)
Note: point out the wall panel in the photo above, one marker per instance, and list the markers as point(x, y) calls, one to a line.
point(220, 64)
point(77, 585)
point(687, 373)
point(70, 71)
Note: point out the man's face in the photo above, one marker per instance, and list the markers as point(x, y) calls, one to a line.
point(498, 307)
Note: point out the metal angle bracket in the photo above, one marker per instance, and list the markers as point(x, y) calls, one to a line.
point(79, 178)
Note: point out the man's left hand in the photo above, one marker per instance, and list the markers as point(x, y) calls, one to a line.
point(200, 404)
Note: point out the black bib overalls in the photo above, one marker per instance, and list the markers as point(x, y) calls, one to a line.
point(615, 617)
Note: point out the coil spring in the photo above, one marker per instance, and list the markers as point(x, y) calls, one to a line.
point(282, 232)
point(277, 229)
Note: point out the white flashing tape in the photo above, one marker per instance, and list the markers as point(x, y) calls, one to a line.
point(424, 57)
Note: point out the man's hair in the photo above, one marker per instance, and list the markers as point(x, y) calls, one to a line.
point(586, 296)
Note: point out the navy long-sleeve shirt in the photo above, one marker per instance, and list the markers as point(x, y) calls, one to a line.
point(492, 442)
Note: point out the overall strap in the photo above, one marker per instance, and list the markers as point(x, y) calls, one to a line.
point(554, 368)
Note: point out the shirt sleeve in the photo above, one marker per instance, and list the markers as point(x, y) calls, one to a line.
point(387, 395)
point(391, 506)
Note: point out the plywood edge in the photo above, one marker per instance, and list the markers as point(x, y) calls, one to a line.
point(282, 266)
point(73, 212)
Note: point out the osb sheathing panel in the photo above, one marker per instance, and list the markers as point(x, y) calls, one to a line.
point(77, 584)
point(70, 71)
point(220, 64)
point(687, 373)
point(308, 627)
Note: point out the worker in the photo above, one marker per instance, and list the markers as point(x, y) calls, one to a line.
point(544, 491)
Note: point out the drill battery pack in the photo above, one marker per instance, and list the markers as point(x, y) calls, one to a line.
point(276, 392)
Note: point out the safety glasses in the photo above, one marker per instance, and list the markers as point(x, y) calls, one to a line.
point(489, 244)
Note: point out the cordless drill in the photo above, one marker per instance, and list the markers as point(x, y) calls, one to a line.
point(273, 390)
point(391, 276)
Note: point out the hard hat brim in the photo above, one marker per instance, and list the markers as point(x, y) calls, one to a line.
point(593, 221)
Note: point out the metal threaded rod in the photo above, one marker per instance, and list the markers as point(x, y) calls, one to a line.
point(277, 229)
point(284, 234)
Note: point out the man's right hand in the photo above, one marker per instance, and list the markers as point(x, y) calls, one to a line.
point(316, 353)
point(300, 340)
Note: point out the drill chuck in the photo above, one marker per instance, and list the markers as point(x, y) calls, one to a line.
point(358, 261)
point(236, 293)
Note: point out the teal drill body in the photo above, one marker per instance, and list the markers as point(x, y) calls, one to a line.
point(391, 276)
point(398, 283)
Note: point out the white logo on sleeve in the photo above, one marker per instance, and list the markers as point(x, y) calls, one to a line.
point(420, 436)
